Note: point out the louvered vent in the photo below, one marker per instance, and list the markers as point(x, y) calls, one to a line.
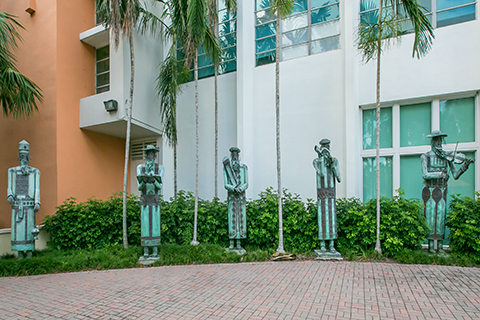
point(137, 147)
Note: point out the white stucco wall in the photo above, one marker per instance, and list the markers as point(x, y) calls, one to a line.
point(320, 98)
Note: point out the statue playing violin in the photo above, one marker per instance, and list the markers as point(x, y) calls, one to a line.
point(435, 166)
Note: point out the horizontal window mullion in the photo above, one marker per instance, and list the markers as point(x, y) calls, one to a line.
point(102, 73)
point(460, 6)
point(324, 22)
point(264, 23)
point(104, 59)
point(272, 36)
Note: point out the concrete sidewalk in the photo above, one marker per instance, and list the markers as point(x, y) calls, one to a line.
point(269, 290)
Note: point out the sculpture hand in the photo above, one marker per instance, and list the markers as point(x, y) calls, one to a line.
point(37, 207)
point(10, 199)
point(144, 178)
point(237, 190)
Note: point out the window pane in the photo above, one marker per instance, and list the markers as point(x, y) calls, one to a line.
point(228, 67)
point(206, 72)
point(300, 6)
point(265, 30)
point(454, 16)
point(227, 27)
point(325, 45)
point(265, 58)
point(103, 53)
point(457, 119)
point(368, 4)
point(369, 178)
point(102, 66)
point(406, 25)
point(411, 181)
point(465, 185)
point(321, 3)
point(295, 52)
point(325, 14)
point(445, 4)
point(294, 37)
point(295, 22)
point(204, 60)
point(103, 79)
point(261, 4)
point(326, 29)
point(369, 128)
point(415, 124)
point(102, 89)
point(230, 53)
point(265, 44)
point(264, 16)
point(224, 15)
point(228, 40)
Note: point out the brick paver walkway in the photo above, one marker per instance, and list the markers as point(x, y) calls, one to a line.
point(271, 290)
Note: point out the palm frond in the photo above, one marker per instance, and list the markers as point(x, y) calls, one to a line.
point(284, 7)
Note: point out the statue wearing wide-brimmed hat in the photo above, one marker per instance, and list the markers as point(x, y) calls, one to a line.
point(23, 194)
point(150, 179)
point(435, 166)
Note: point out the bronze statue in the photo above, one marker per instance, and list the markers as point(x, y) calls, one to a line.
point(23, 194)
point(435, 165)
point(328, 172)
point(236, 182)
point(149, 177)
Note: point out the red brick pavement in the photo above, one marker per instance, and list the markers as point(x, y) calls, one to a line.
point(271, 290)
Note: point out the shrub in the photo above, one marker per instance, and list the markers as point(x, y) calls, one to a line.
point(93, 224)
point(464, 223)
point(403, 224)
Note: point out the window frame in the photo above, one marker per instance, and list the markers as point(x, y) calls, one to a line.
point(396, 151)
point(97, 86)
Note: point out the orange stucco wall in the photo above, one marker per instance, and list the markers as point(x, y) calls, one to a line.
point(88, 164)
point(73, 162)
point(36, 58)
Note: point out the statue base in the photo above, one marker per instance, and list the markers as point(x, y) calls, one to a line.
point(239, 251)
point(327, 255)
point(146, 261)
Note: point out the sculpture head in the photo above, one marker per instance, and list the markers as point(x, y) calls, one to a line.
point(23, 157)
point(234, 154)
point(437, 139)
point(150, 153)
point(325, 143)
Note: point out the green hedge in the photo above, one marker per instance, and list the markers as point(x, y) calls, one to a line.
point(464, 223)
point(403, 225)
point(97, 223)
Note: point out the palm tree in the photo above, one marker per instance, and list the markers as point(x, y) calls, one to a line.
point(376, 34)
point(122, 16)
point(281, 8)
point(172, 75)
point(18, 94)
point(190, 27)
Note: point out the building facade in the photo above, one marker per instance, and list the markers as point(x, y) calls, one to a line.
point(326, 91)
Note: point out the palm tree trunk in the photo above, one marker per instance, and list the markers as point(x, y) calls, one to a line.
point(128, 111)
point(277, 118)
point(378, 247)
point(216, 132)
point(175, 170)
point(195, 214)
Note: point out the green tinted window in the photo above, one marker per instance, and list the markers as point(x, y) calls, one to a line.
point(457, 119)
point(369, 178)
point(369, 128)
point(415, 124)
point(411, 181)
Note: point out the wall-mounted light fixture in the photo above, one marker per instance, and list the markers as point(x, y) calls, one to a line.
point(31, 7)
point(111, 105)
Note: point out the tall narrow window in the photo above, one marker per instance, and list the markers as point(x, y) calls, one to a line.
point(102, 69)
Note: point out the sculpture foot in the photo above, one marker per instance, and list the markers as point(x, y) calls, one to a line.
point(21, 255)
point(29, 254)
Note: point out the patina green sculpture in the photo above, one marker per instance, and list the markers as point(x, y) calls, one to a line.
point(435, 165)
point(236, 182)
point(328, 172)
point(23, 194)
point(150, 179)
